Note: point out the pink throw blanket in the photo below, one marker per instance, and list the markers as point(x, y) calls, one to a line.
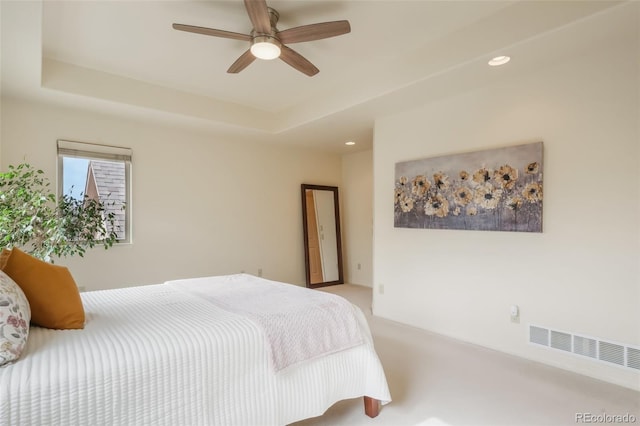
point(299, 323)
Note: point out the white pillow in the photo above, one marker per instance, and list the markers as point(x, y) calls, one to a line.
point(15, 314)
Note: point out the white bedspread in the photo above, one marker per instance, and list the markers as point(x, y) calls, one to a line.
point(159, 355)
point(299, 324)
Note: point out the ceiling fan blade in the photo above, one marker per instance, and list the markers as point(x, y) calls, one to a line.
point(298, 62)
point(212, 32)
point(242, 62)
point(259, 15)
point(314, 32)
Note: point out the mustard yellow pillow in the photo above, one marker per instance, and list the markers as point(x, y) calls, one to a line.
point(4, 255)
point(50, 289)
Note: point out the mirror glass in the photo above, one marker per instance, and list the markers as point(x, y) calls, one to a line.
point(323, 247)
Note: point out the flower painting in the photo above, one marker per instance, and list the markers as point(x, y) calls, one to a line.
point(490, 190)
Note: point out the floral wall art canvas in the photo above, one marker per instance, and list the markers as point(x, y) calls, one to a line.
point(491, 190)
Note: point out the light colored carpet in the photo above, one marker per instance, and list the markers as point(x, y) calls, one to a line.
point(437, 381)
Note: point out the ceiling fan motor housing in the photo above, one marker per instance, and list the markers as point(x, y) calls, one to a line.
point(267, 46)
point(273, 17)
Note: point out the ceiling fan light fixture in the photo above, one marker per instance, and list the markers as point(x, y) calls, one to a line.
point(267, 42)
point(265, 47)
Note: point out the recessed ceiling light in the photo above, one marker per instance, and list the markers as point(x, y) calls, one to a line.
point(499, 60)
point(350, 143)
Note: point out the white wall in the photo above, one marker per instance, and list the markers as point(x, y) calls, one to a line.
point(357, 215)
point(201, 206)
point(581, 274)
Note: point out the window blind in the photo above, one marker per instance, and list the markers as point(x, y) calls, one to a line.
point(83, 149)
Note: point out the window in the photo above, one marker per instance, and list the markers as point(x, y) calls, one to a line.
point(100, 172)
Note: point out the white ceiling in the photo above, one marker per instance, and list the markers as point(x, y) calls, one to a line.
point(123, 57)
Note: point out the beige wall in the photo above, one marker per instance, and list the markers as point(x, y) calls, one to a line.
point(357, 215)
point(201, 206)
point(581, 274)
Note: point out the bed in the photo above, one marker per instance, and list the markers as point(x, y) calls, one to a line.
point(228, 350)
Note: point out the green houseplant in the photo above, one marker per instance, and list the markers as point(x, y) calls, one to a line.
point(32, 219)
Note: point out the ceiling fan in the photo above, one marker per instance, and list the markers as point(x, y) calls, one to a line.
point(267, 42)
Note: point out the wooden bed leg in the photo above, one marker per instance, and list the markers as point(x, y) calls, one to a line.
point(371, 406)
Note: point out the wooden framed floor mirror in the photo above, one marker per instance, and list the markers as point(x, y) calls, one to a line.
point(322, 239)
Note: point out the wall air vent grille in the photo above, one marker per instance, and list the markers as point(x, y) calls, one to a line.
point(590, 347)
point(610, 352)
point(633, 358)
point(539, 335)
point(561, 341)
point(585, 346)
